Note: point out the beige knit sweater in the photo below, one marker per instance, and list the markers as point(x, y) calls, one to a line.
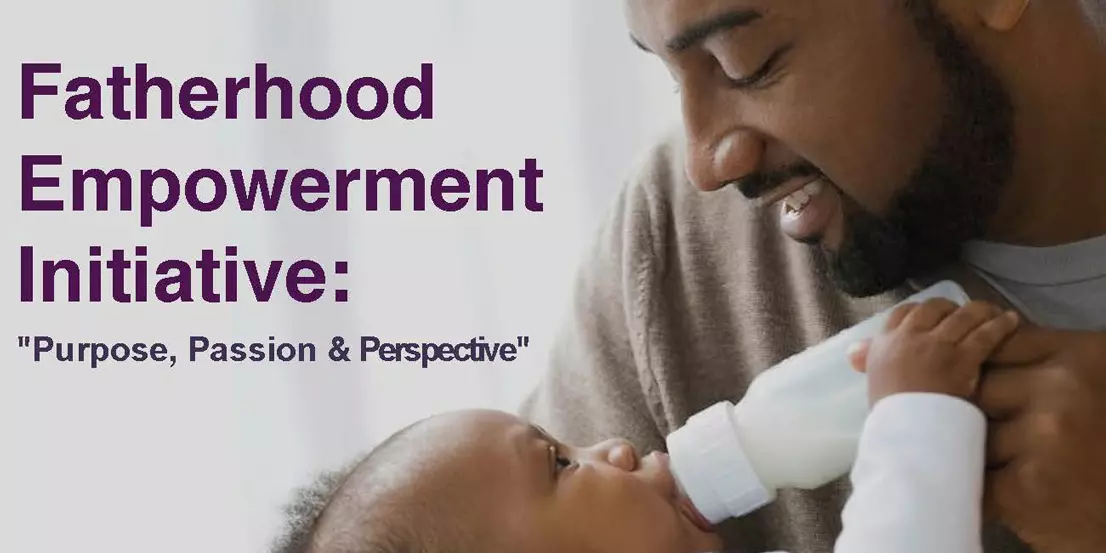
point(685, 298)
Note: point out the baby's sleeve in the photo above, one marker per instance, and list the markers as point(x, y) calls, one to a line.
point(918, 478)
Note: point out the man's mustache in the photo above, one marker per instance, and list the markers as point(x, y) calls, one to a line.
point(759, 184)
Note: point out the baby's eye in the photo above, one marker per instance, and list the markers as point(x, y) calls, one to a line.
point(559, 463)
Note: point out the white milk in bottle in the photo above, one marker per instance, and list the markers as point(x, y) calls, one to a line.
point(798, 426)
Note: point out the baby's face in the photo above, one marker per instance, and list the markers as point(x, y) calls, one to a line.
point(542, 496)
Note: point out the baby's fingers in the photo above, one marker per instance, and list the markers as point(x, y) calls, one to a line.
point(960, 324)
point(858, 355)
point(984, 339)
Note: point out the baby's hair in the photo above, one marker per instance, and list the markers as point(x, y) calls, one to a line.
point(326, 517)
point(302, 513)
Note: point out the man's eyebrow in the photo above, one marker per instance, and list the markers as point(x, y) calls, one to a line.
point(704, 29)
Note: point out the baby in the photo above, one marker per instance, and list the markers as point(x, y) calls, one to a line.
point(488, 482)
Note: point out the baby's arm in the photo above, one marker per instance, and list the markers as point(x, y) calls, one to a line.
point(918, 478)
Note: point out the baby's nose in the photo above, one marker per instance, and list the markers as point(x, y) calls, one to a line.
point(618, 453)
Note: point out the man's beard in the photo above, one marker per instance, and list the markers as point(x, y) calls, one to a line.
point(955, 189)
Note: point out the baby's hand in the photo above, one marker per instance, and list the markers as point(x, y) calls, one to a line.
point(935, 347)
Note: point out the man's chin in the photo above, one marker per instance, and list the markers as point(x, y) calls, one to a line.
point(860, 279)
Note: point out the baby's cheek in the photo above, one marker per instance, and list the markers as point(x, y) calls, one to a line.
point(650, 525)
point(622, 513)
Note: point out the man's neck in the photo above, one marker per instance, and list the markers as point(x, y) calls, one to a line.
point(1058, 193)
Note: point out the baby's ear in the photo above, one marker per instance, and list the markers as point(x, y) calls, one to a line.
point(858, 355)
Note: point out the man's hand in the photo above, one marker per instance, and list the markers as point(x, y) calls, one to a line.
point(933, 347)
point(1045, 393)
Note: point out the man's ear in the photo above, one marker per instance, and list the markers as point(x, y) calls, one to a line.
point(1001, 15)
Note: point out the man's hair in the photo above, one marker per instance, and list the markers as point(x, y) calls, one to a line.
point(354, 509)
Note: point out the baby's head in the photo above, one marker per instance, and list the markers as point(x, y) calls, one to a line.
point(488, 482)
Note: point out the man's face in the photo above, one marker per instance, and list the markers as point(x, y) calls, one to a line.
point(879, 134)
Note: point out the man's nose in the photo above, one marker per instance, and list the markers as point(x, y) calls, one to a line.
point(615, 452)
point(721, 146)
point(713, 163)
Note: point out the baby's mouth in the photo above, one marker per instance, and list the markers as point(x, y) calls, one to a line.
point(694, 516)
point(682, 503)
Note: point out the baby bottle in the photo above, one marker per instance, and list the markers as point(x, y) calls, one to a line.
point(798, 426)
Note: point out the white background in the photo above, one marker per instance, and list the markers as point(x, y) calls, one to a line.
point(201, 457)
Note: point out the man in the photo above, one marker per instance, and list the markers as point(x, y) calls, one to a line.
point(835, 154)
